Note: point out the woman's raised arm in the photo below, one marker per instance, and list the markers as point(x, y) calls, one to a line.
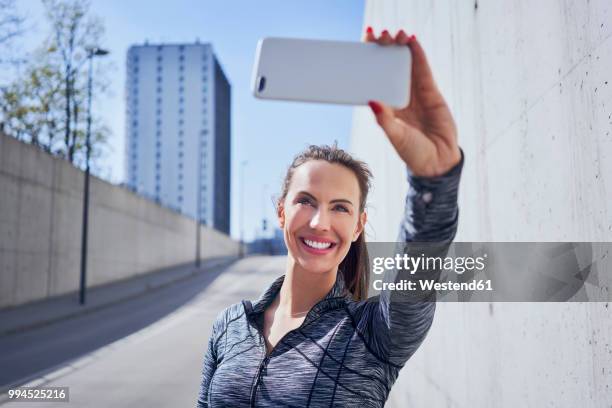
point(425, 137)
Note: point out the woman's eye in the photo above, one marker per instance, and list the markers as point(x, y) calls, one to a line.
point(303, 201)
point(341, 208)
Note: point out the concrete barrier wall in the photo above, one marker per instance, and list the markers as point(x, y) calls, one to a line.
point(530, 86)
point(41, 207)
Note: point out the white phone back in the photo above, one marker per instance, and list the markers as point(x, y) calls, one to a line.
point(340, 72)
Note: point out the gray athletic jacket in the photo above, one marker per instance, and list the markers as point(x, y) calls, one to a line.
point(345, 353)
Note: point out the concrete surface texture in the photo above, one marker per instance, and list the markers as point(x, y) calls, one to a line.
point(530, 86)
point(41, 211)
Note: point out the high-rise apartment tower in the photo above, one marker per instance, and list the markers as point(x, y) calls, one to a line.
point(178, 130)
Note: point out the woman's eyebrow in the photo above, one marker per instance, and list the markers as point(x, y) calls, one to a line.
point(336, 200)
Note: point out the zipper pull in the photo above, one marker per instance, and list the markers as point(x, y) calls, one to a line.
point(264, 365)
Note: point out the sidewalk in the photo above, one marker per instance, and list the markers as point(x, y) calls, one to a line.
point(37, 314)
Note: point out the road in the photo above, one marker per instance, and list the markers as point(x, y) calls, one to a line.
point(143, 352)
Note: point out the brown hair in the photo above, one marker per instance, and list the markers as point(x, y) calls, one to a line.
point(355, 267)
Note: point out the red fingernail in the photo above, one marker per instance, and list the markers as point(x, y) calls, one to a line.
point(384, 32)
point(369, 30)
point(375, 106)
point(401, 32)
point(412, 38)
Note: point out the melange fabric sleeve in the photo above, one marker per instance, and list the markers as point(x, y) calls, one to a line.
point(209, 367)
point(401, 320)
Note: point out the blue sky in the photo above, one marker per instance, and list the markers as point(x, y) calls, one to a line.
point(266, 134)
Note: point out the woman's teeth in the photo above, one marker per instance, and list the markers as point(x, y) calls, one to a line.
point(317, 245)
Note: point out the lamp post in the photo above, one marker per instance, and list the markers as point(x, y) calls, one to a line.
point(199, 205)
point(242, 166)
point(91, 53)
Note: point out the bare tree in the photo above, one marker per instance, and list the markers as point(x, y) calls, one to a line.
point(72, 32)
point(11, 26)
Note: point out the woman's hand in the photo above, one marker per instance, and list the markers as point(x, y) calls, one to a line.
point(424, 132)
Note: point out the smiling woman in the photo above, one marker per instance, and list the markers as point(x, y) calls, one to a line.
point(321, 210)
point(314, 338)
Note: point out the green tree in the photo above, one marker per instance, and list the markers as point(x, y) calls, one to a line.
point(49, 98)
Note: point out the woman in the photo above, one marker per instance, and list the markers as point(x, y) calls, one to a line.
point(313, 339)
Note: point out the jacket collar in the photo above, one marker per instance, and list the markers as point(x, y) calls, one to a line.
point(336, 297)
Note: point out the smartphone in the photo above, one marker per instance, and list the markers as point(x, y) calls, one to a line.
point(341, 72)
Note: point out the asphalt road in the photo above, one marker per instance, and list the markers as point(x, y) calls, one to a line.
point(143, 352)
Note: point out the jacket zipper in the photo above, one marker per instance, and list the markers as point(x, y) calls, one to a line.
point(267, 356)
point(263, 365)
point(260, 372)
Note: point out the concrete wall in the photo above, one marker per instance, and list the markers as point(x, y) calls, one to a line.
point(530, 86)
point(41, 211)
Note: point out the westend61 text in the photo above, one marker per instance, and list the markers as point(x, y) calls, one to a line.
point(432, 284)
point(413, 264)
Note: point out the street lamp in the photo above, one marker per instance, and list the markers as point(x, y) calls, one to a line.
point(91, 53)
point(199, 205)
point(242, 166)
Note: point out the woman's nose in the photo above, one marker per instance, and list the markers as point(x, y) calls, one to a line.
point(320, 220)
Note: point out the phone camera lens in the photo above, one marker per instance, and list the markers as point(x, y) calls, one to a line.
point(262, 83)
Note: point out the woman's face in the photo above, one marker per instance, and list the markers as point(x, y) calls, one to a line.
point(320, 215)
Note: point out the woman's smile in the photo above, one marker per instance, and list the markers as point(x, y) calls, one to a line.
point(317, 245)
